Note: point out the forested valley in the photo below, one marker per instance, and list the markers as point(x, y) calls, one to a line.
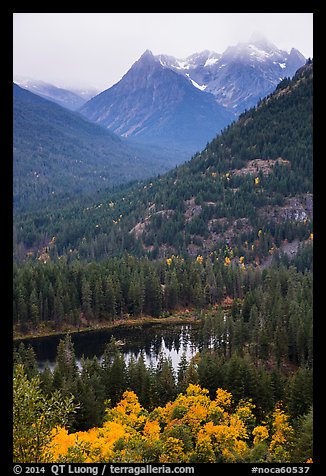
point(226, 239)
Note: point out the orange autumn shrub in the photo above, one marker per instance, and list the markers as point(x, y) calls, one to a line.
point(192, 428)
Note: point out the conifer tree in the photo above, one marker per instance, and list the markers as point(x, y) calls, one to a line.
point(26, 357)
point(109, 299)
point(165, 380)
point(303, 448)
point(86, 299)
point(91, 395)
point(66, 372)
point(182, 369)
point(46, 380)
point(116, 379)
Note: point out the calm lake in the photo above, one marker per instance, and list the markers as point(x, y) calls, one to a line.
point(171, 340)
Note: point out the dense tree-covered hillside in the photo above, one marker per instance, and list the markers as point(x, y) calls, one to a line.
point(249, 189)
point(63, 293)
point(58, 153)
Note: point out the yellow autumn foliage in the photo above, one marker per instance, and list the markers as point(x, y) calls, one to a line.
point(223, 398)
point(152, 430)
point(227, 261)
point(281, 440)
point(192, 428)
point(260, 433)
point(173, 451)
point(61, 442)
point(199, 259)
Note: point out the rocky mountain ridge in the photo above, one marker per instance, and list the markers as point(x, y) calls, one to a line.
point(187, 102)
point(153, 103)
point(242, 74)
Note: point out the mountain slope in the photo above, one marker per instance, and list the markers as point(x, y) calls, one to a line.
point(248, 193)
point(59, 152)
point(240, 76)
point(154, 104)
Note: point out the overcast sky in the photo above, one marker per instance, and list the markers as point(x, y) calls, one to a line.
point(97, 49)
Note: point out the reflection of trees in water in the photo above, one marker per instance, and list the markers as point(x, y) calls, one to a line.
point(171, 341)
point(154, 342)
point(156, 345)
point(215, 333)
point(149, 340)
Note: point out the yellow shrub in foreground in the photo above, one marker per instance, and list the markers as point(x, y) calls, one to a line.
point(192, 428)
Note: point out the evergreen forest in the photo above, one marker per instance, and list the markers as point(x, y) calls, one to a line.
point(225, 239)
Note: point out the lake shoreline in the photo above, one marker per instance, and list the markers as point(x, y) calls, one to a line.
point(185, 317)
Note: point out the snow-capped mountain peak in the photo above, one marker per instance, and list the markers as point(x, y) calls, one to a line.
point(165, 98)
point(242, 74)
point(258, 52)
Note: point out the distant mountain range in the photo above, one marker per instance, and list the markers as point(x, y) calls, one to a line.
point(187, 102)
point(70, 99)
point(180, 103)
point(240, 76)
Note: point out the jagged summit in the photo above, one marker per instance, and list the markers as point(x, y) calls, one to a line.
point(147, 60)
point(146, 55)
point(242, 74)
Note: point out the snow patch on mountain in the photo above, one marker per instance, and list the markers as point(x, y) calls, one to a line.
point(198, 86)
point(210, 62)
point(182, 64)
point(258, 53)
